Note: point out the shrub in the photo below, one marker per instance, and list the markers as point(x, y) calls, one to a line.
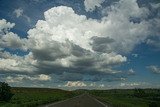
point(5, 92)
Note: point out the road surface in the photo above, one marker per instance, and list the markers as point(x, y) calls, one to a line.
point(84, 100)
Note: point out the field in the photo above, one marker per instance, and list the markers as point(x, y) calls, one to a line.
point(129, 98)
point(32, 97)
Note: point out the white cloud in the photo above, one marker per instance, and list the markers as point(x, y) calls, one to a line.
point(93, 84)
point(90, 5)
point(21, 78)
point(155, 39)
point(43, 77)
point(10, 79)
point(9, 62)
point(101, 86)
point(119, 25)
point(9, 39)
point(55, 40)
point(154, 69)
point(65, 40)
point(75, 84)
point(135, 55)
point(13, 63)
point(18, 12)
point(131, 72)
point(127, 8)
point(129, 84)
point(5, 26)
point(134, 85)
point(13, 41)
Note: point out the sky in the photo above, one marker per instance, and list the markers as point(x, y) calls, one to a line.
point(80, 44)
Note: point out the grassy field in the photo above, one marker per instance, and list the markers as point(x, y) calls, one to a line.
point(32, 97)
point(129, 98)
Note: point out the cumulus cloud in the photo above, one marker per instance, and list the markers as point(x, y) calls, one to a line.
point(61, 47)
point(21, 78)
point(92, 84)
point(9, 39)
point(154, 69)
point(13, 41)
point(132, 85)
point(8, 61)
point(101, 85)
point(67, 42)
point(5, 26)
point(75, 84)
point(129, 84)
point(43, 77)
point(90, 5)
point(54, 40)
point(131, 72)
point(155, 39)
point(17, 64)
point(96, 86)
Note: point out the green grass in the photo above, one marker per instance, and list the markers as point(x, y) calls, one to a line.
point(32, 97)
point(127, 98)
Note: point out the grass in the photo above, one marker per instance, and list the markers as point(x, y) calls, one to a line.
point(32, 97)
point(128, 98)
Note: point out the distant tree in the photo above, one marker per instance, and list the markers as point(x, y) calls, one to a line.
point(153, 104)
point(5, 92)
point(139, 92)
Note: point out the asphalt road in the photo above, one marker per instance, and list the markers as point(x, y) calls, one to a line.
point(84, 100)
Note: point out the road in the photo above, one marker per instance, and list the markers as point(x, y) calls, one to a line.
point(84, 100)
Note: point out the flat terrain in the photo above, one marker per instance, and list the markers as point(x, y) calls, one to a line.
point(34, 97)
point(128, 97)
point(84, 100)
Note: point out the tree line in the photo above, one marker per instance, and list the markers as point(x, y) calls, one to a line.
point(5, 92)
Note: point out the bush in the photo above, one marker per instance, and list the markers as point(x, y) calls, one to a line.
point(5, 92)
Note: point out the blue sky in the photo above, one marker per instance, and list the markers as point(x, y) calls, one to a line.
point(70, 44)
